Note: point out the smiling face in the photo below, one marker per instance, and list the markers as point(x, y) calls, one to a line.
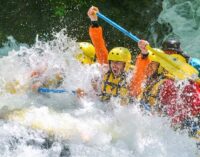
point(117, 67)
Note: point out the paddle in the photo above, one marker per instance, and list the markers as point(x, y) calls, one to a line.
point(47, 90)
point(174, 66)
point(195, 62)
point(177, 68)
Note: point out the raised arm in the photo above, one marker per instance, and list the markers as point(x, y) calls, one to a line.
point(96, 35)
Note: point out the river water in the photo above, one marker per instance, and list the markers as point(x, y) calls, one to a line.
point(61, 125)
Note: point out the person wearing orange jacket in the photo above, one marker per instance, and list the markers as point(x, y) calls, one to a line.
point(116, 56)
point(167, 93)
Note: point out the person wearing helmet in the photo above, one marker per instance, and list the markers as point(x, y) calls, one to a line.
point(87, 55)
point(173, 46)
point(103, 57)
point(113, 82)
point(40, 79)
point(182, 105)
point(179, 104)
point(164, 94)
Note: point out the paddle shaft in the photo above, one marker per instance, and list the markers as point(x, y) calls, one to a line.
point(47, 90)
point(183, 71)
point(135, 38)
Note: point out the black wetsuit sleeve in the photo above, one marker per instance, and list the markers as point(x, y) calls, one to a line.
point(144, 55)
point(94, 24)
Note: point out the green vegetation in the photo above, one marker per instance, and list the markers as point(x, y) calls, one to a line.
point(25, 19)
